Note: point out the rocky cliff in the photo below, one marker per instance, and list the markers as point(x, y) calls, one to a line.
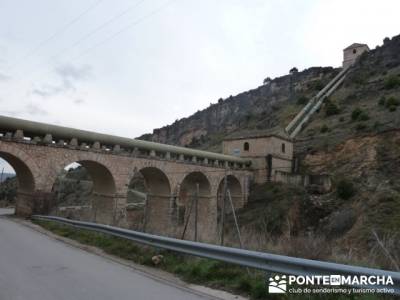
point(268, 106)
point(371, 87)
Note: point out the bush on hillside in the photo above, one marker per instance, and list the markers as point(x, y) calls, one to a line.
point(361, 126)
point(392, 82)
point(317, 85)
point(392, 104)
point(331, 108)
point(358, 114)
point(363, 117)
point(392, 101)
point(324, 128)
point(345, 189)
point(302, 100)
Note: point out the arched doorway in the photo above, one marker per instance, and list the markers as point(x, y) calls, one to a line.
point(149, 201)
point(194, 199)
point(85, 190)
point(8, 188)
point(17, 184)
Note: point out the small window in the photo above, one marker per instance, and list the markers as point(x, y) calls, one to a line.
point(246, 146)
point(283, 147)
point(354, 51)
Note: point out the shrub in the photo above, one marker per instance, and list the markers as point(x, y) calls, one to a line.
point(382, 101)
point(324, 128)
point(267, 80)
point(341, 221)
point(259, 291)
point(359, 78)
point(392, 108)
point(359, 115)
point(386, 40)
point(317, 85)
point(391, 82)
point(341, 119)
point(363, 116)
point(377, 124)
point(302, 100)
point(345, 189)
point(356, 113)
point(392, 101)
point(361, 126)
point(331, 108)
point(351, 97)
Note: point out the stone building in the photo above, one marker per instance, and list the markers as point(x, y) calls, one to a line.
point(269, 152)
point(352, 52)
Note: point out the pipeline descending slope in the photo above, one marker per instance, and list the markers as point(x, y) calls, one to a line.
point(32, 129)
point(297, 124)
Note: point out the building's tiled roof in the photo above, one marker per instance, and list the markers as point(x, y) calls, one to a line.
point(247, 134)
point(355, 45)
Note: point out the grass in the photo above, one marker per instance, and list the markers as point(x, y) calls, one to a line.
point(195, 270)
point(207, 272)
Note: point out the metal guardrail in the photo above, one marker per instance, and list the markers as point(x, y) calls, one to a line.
point(271, 263)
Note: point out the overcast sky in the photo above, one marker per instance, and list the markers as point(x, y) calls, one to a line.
point(126, 67)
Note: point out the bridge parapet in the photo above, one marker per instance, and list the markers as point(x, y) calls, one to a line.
point(23, 131)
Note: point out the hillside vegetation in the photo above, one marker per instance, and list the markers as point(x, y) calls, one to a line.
point(355, 138)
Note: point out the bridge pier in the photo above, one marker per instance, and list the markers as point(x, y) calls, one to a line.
point(37, 202)
point(158, 214)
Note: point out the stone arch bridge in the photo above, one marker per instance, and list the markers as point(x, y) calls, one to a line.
point(173, 176)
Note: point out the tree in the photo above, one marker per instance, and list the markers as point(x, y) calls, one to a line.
point(267, 80)
point(386, 40)
point(293, 70)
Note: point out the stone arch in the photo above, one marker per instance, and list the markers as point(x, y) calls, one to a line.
point(188, 187)
point(25, 178)
point(236, 191)
point(195, 186)
point(24, 166)
point(28, 178)
point(103, 180)
point(156, 180)
point(149, 201)
point(100, 170)
point(101, 203)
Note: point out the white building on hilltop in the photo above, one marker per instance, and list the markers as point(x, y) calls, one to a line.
point(352, 52)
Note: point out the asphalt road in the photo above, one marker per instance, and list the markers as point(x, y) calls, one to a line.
point(36, 267)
